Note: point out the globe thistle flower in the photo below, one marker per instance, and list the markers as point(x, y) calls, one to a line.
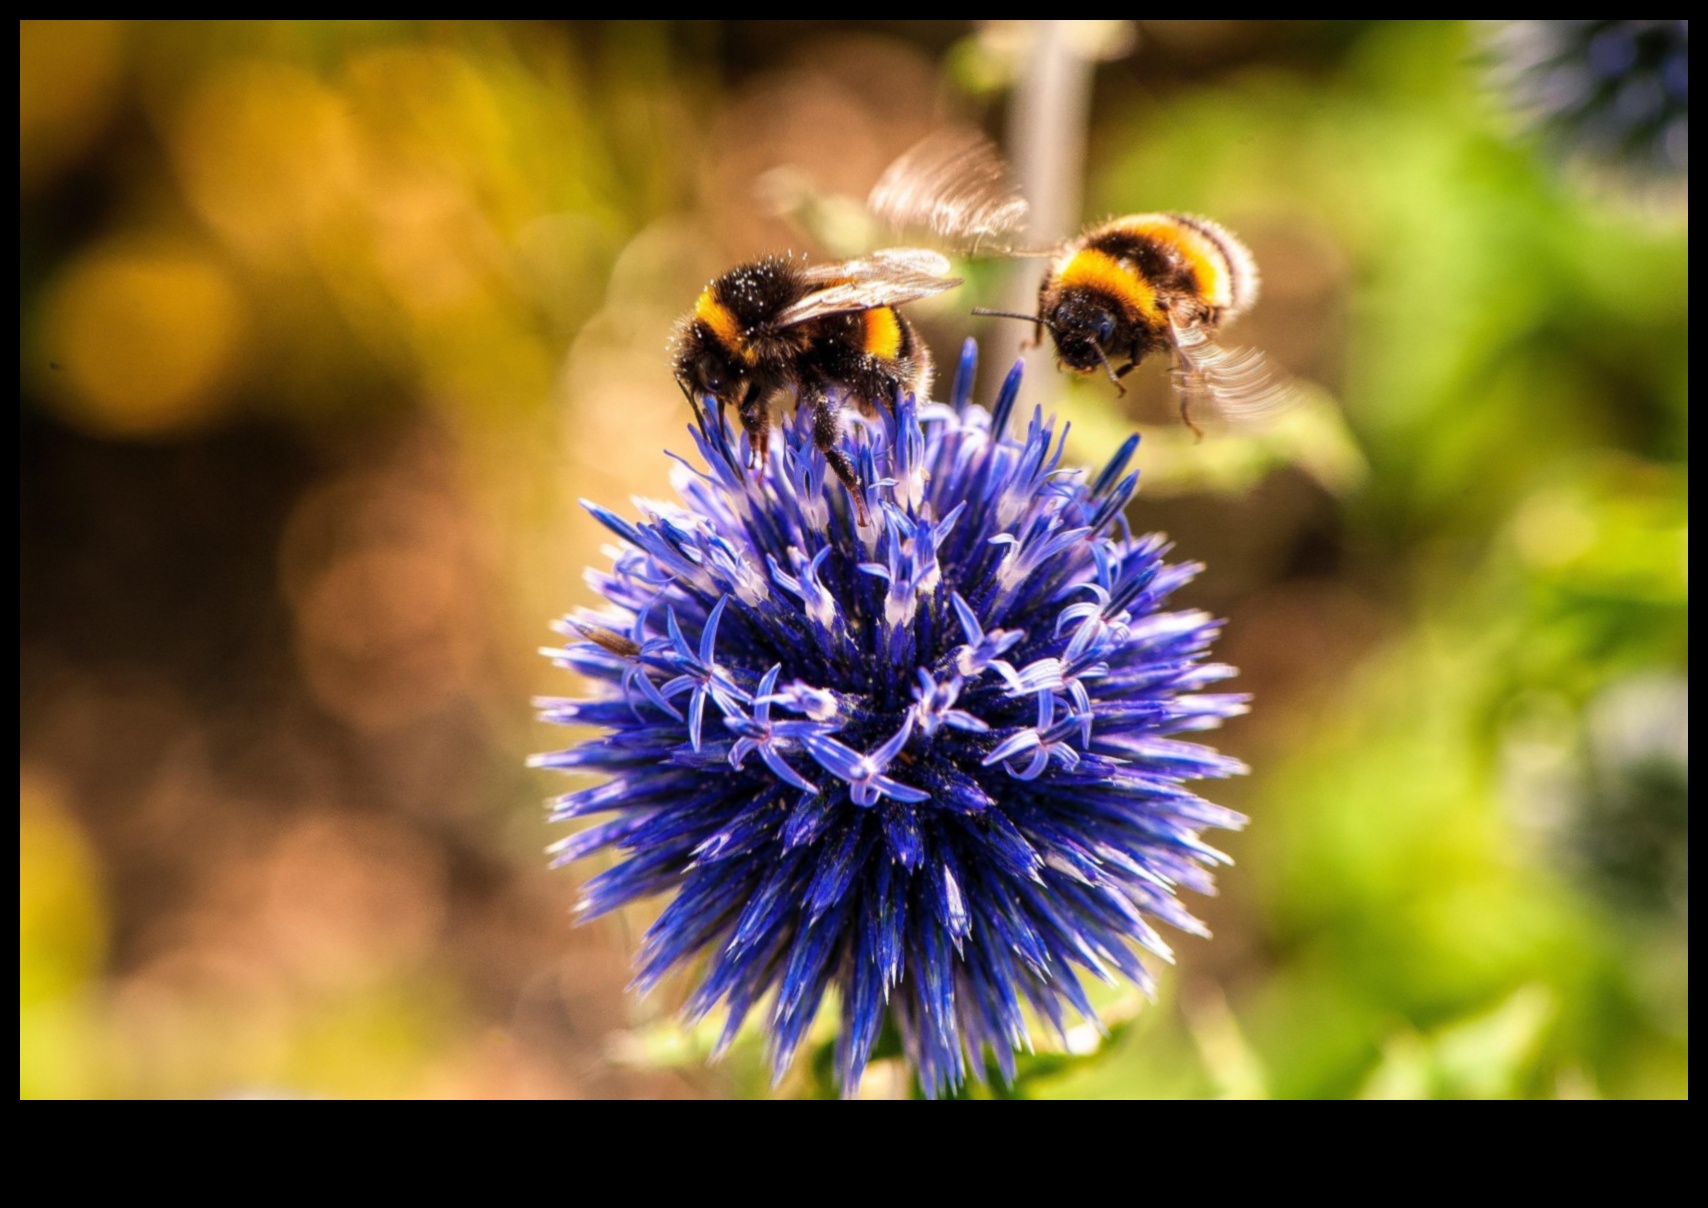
point(1615, 92)
point(929, 764)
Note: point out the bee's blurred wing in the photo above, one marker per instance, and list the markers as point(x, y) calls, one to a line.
point(954, 185)
point(1237, 382)
point(888, 277)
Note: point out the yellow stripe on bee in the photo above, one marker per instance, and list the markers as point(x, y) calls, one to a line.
point(722, 324)
point(883, 333)
point(1098, 271)
point(1208, 263)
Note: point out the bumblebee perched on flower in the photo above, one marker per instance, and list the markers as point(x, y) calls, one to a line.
point(827, 335)
point(1123, 290)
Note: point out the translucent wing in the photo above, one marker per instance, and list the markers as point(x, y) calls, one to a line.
point(888, 277)
point(954, 185)
point(1236, 382)
point(885, 264)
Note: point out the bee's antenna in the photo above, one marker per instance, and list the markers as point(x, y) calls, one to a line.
point(699, 411)
point(1039, 320)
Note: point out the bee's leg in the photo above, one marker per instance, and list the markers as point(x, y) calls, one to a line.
point(756, 421)
point(1186, 415)
point(764, 457)
point(825, 430)
point(1187, 381)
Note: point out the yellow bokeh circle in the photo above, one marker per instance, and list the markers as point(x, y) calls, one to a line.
point(140, 342)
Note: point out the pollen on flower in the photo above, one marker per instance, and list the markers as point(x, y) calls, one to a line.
point(924, 766)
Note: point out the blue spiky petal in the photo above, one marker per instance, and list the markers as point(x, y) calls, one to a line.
point(930, 763)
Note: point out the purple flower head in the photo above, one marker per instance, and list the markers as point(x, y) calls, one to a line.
point(928, 764)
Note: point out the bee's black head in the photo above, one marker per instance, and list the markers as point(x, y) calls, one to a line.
point(707, 369)
point(1087, 327)
point(726, 348)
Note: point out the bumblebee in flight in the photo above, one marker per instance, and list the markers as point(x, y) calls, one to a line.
point(1152, 283)
point(1122, 291)
point(826, 335)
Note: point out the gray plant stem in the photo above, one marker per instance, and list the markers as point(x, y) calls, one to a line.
point(1048, 113)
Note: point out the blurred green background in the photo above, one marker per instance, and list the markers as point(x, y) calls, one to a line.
point(325, 327)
